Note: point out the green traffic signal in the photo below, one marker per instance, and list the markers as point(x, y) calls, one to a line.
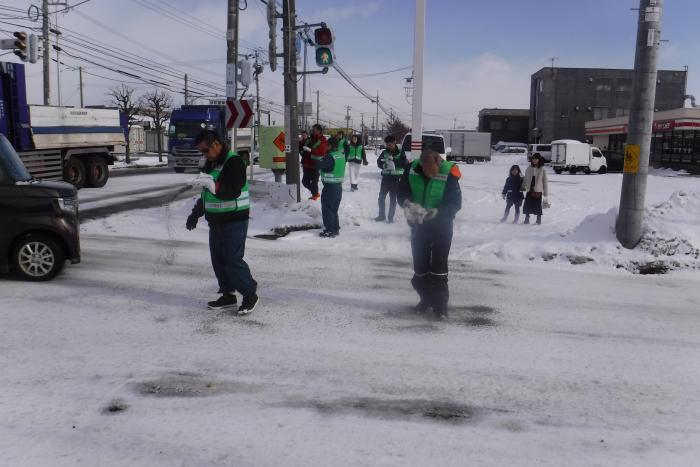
point(324, 56)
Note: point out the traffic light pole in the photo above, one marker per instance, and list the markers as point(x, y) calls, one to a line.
point(628, 228)
point(290, 95)
point(46, 57)
point(418, 55)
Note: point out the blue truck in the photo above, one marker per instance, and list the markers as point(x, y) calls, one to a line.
point(58, 143)
point(186, 122)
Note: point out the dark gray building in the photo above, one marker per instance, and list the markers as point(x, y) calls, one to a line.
point(563, 99)
point(510, 125)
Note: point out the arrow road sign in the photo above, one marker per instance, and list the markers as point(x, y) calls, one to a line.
point(239, 114)
point(279, 141)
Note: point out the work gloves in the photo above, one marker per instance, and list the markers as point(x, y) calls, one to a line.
point(306, 149)
point(205, 181)
point(389, 164)
point(191, 223)
point(417, 214)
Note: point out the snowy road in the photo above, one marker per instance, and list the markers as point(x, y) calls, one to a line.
point(540, 363)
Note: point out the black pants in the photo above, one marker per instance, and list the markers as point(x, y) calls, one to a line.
point(330, 203)
point(310, 180)
point(430, 244)
point(227, 247)
point(390, 186)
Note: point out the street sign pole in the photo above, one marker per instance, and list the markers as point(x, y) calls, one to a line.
point(231, 59)
point(418, 55)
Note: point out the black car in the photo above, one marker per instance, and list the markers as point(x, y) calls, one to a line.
point(39, 227)
point(616, 160)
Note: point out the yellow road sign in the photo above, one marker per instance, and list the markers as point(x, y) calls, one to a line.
point(631, 159)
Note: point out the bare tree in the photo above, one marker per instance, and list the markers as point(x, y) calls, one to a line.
point(158, 105)
point(396, 127)
point(123, 98)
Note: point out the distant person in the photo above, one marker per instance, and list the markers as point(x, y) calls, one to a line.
point(355, 155)
point(392, 162)
point(536, 189)
point(225, 204)
point(316, 146)
point(430, 196)
point(332, 167)
point(342, 141)
point(512, 194)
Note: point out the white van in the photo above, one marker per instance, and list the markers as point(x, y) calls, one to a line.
point(572, 155)
point(430, 140)
point(544, 150)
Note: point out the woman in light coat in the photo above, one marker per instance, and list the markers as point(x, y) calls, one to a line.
point(536, 189)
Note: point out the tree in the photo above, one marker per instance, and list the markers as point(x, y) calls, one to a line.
point(122, 97)
point(158, 105)
point(396, 127)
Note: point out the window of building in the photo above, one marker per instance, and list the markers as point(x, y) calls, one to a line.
point(624, 85)
point(696, 147)
point(513, 126)
point(622, 112)
point(603, 85)
point(496, 125)
point(600, 113)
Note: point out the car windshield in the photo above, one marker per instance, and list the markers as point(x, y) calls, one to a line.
point(186, 128)
point(11, 162)
point(434, 142)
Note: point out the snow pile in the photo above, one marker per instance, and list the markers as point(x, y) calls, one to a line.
point(140, 161)
point(268, 219)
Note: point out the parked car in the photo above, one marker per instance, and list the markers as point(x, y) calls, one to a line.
point(572, 156)
point(544, 150)
point(513, 151)
point(615, 159)
point(39, 219)
point(501, 145)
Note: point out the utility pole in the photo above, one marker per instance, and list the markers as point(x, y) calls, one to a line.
point(628, 228)
point(377, 119)
point(418, 56)
point(318, 104)
point(303, 90)
point(362, 127)
point(45, 34)
point(80, 74)
point(187, 93)
point(232, 59)
point(347, 117)
point(290, 95)
point(256, 127)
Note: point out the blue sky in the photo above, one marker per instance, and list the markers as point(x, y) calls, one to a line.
point(478, 54)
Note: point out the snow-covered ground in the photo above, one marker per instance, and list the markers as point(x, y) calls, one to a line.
point(116, 362)
point(140, 161)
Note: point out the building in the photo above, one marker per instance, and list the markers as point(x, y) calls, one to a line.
point(509, 125)
point(675, 141)
point(562, 100)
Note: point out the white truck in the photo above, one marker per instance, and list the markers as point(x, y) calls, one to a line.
point(430, 140)
point(467, 145)
point(572, 156)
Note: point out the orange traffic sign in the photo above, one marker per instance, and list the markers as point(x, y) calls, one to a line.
point(279, 141)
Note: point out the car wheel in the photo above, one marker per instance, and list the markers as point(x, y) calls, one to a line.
point(179, 170)
point(557, 171)
point(603, 170)
point(38, 258)
point(97, 173)
point(573, 170)
point(470, 160)
point(74, 172)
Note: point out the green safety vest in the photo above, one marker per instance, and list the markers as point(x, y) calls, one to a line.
point(342, 143)
point(429, 194)
point(338, 173)
point(355, 153)
point(212, 204)
point(397, 170)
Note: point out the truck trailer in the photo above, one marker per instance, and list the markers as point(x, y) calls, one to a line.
point(58, 143)
point(467, 146)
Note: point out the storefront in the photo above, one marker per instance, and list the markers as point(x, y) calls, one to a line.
point(675, 140)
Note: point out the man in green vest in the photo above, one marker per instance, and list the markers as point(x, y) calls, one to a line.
point(392, 162)
point(342, 141)
point(430, 196)
point(355, 155)
point(332, 167)
point(225, 204)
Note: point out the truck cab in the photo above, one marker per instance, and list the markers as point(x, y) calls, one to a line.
point(572, 156)
point(40, 228)
point(186, 123)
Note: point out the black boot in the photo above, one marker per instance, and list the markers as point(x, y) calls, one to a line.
point(225, 302)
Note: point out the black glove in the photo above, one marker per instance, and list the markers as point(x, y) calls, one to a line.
point(191, 223)
point(364, 162)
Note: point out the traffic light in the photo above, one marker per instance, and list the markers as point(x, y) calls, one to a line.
point(21, 45)
point(33, 48)
point(323, 37)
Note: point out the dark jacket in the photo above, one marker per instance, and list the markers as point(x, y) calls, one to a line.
point(327, 164)
point(321, 150)
point(511, 189)
point(451, 202)
point(354, 161)
point(231, 181)
point(399, 163)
